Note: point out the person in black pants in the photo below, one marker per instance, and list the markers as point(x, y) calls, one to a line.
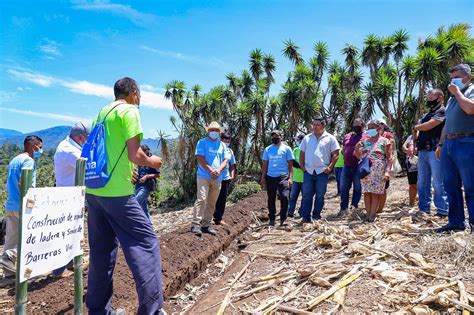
point(228, 174)
point(277, 172)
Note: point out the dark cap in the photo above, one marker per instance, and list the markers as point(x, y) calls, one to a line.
point(276, 132)
point(299, 137)
point(80, 128)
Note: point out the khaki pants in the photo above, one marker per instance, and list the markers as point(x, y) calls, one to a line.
point(11, 235)
point(207, 193)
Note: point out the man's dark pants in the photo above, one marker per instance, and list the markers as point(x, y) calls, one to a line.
point(457, 156)
point(281, 184)
point(221, 200)
point(121, 219)
point(350, 177)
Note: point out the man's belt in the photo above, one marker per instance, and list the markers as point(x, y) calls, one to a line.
point(459, 135)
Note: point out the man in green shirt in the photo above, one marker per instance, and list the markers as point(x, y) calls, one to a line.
point(115, 215)
point(297, 178)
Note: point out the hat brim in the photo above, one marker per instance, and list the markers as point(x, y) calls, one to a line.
point(221, 129)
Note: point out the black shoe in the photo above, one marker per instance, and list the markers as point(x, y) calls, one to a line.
point(271, 223)
point(196, 230)
point(450, 228)
point(209, 230)
point(217, 222)
point(291, 216)
point(341, 213)
point(441, 215)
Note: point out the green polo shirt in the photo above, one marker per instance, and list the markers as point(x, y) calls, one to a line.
point(297, 172)
point(121, 124)
point(340, 160)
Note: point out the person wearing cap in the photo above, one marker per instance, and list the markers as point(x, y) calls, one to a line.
point(212, 156)
point(456, 149)
point(319, 153)
point(426, 135)
point(65, 157)
point(228, 175)
point(350, 174)
point(277, 173)
point(297, 178)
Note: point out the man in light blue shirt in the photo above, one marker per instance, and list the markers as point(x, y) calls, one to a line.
point(319, 153)
point(228, 174)
point(212, 156)
point(33, 148)
point(277, 173)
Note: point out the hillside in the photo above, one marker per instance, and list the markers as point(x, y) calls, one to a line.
point(51, 137)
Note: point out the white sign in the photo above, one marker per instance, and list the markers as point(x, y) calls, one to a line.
point(52, 229)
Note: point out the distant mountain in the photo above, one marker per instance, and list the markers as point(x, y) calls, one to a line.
point(51, 137)
point(8, 133)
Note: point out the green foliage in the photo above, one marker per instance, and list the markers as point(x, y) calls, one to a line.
point(243, 190)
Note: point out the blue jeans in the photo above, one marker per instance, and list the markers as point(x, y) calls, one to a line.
point(114, 220)
point(457, 160)
point(313, 185)
point(429, 168)
point(142, 193)
point(350, 176)
point(295, 192)
point(338, 172)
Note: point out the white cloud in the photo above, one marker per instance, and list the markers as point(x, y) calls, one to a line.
point(21, 88)
point(189, 58)
point(56, 17)
point(32, 77)
point(126, 11)
point(70, 118)
point(49, 48)
point(149, 97)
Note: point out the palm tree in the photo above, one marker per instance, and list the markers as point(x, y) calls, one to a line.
point(291, 52)
point(400, 44)
point(269, 67)
point(426, 69)
point(372, 53)
point(255, 62)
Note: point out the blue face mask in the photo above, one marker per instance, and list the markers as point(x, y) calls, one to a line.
point(37, 154)
point(458, 83)
point(214, 135)
point(372, 132)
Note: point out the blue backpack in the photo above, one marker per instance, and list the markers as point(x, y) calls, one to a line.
point(95, 152)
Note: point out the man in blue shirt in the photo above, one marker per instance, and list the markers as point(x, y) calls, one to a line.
point(277, 173)
point(228, 174)
point(32, 148)
point(212, 156)
point(456, 149)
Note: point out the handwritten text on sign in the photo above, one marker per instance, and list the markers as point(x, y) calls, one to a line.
point(52, 229)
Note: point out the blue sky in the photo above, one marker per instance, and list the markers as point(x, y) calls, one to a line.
point(60, 59)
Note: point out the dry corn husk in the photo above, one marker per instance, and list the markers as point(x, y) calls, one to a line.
point(421, 310)
point(394, 276)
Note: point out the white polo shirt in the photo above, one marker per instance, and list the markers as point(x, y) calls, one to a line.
point(317, 152)
point(67, 153)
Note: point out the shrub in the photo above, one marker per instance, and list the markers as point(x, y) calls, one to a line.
point(243, 190)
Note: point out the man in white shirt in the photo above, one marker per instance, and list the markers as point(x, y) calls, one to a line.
point(67, 153)
point(319, 153)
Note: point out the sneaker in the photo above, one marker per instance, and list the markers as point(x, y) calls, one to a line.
point(209, 230)
point(282, 223)
point(217, 222)
point(441, 215)
point(291, 215)
point(450, 228)
point(341, 213)
point(196, 230)
point(271, 223)
point(8, 265)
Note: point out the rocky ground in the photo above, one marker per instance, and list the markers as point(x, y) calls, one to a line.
point(338, 265)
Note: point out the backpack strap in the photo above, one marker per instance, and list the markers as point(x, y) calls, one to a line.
point(123, 150)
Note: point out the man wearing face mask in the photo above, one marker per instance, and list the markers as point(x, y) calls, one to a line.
point(114, 214)
point(228, 174)
point(67, 153)
point(350, 175)
point(32, 149)
point(456, 149)
point(319, 153)
point(277, 172)
point(426, 135)
point(212, 156)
